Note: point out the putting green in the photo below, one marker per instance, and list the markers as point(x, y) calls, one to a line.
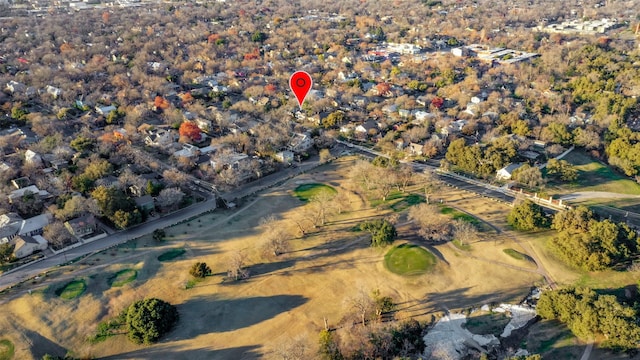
point(409, 259)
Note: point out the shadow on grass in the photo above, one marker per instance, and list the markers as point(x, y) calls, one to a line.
point(177, 352)
point(40, 345)
point(205, 315)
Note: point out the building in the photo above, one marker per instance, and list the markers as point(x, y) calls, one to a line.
point(105, 110)
point(588, 27)
point(32, 189)
point(506, 172)
point(160, 138)
point(284, 156)
point(300, 143)
point(27, 245)
point(82, 226)
point(10, 224)
point(145, 203)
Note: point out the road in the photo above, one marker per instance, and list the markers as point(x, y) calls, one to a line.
point(31, 270)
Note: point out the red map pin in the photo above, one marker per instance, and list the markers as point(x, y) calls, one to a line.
point(300, 83)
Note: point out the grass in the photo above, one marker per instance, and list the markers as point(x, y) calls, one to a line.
point(517, 255)
point(553, 340)
point(72, 289)
point(460, 245)
point(171, 254)
point(409, 259)
point(6, 349)
point(408, 201)
point(487, 323)
point(306, 192)
point(123, 277)
point(459, 215)
point(594, 175)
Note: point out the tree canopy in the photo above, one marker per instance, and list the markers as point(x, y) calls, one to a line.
point(527, 216)
point(149, 319)
point(382, 232)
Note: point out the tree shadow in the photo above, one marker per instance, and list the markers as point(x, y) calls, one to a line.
point(177, 352)
point(40, 345)
point(204, 315)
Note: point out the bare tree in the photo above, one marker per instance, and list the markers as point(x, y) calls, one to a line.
point(404, 177)
point(294, 349)
point(57, 235)
point(275, 237)
point(170, 198)
point(430, 183)
point(465, 232)
point(362, 304)
point(431, 223)
point(236, 265)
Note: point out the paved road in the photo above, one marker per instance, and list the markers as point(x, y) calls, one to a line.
point(11, 278)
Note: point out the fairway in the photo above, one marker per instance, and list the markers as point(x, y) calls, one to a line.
point(306, 192)
point(409, 259)
point(72, 289)
point(123, 277)
point(171, 254)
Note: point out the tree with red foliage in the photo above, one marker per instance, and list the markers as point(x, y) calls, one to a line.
point(190, 131)
point(383, 88)
point(270, 89)
point(437, 102)
point(161, 103)
point(212, 38)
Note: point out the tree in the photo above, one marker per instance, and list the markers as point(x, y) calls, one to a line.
point(573, 220)
point(258, 36)
point(149, 319)
point(325, 155)
point(527, 216)
point(437, 102)
point(382, 304)
point(562, 169)
point(294, 349)
point(82, 143)
point(465, 232)
point(383, 88)
point(236, 265)
point(57, 235)
point(6, 252)
point(170, 198)
point(383, 232)
point(276, 239)
point(336, 118)
point(124, 219)
point(190, 131)
point(200, 270)
point(159, 234)
point(432, 224)
point(362, 304)
point(528, 175)
point(328, 346)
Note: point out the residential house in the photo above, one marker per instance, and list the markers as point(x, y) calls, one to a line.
point(204, 124)
point(34, 225)
point(422, 116)
point(366, 127)
point(187, 151)
point(53, 91)
point(231, 159)
point(4, 166)
point(284, 156)
point(105, 110)
point(404, 113)
point(400, 144)
point(27, 245)
point(32, 158)
point(108, 181)
point(21, 182)
point(16, 87)
point(16, 194)
point(145, 203)
point(506, 172)
point(160, 138)
point(453, 128)
point(9, 225)
point(415, 149)
point(82, 226)
point(300, 143)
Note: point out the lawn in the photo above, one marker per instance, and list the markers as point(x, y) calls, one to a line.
point(594, 175)
point(72, 289)
point(458, 244)
point(306, 192)
point(553, 340)
point(408, 201)
point(517, 255)
point(6, 349)
point(123, 277)
point(171, 254)
point(409, 259)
